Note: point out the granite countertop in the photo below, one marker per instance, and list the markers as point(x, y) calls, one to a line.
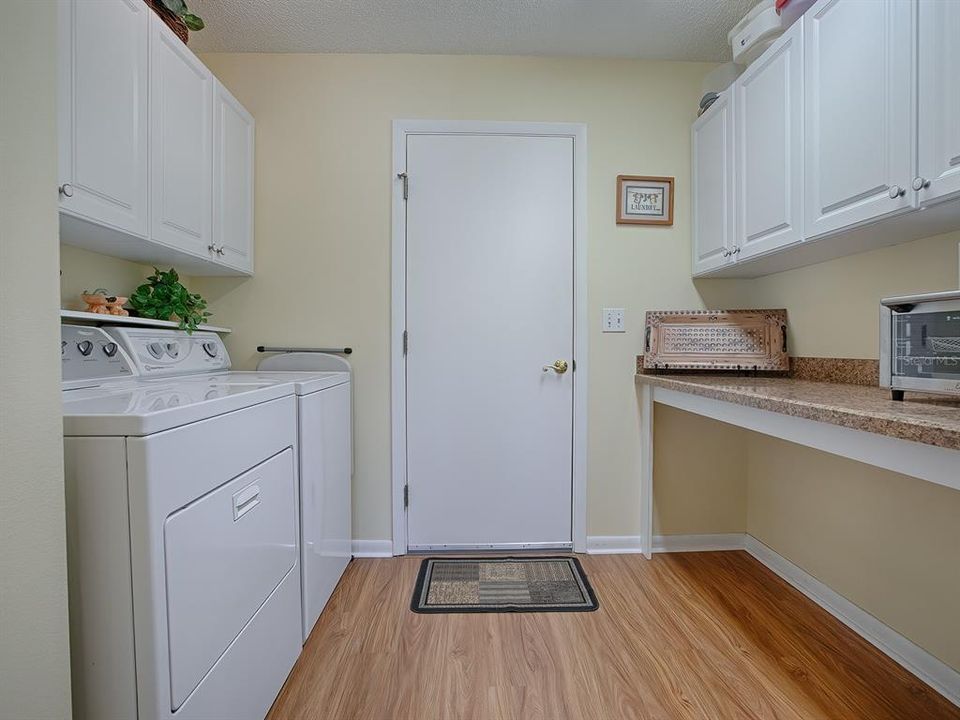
point(924, 418)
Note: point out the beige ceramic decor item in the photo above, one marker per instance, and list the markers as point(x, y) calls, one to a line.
point(103, 304)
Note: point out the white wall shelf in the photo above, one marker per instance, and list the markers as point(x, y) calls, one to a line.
point(79, 315)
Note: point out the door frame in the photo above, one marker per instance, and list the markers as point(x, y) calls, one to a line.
point(398, 388)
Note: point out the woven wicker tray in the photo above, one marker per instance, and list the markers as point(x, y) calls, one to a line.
point(751, 340)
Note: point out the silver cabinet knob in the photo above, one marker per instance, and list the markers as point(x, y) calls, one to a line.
point(725, 253)
point(896, 191)
point(735, 250)
point(212, 248)
point(66, 190)
point(220, 250)
point(920, 183)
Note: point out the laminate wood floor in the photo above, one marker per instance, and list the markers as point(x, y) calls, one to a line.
point(695, 635)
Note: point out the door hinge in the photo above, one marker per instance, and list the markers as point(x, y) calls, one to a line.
point(405, 342)
point(406, 184)
point(406, 495)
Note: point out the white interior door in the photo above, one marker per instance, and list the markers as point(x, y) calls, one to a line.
point(489, 302)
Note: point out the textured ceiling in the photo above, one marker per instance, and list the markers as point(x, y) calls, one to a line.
point(649, 29)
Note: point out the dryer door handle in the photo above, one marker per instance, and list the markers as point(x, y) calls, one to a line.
point(245, 500)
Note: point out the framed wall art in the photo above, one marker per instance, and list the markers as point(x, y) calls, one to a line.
point(644, 200)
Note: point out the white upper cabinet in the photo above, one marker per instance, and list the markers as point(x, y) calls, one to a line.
point(102, 113)
point(712, 141)
point(939, 106)
point(232, 181)
point(181, 144)
point(156, 158)
point(769, 149)
point(859, 65)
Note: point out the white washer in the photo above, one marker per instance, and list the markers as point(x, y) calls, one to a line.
point(182, 528)
point(324, 413)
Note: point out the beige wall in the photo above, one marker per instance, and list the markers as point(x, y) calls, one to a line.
point(83, 270)
point(700, 471)
point(833, 307)
point(34, 655)
point(887, 542)
point(323, 223)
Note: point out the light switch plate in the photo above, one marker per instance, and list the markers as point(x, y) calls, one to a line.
point(613, 320)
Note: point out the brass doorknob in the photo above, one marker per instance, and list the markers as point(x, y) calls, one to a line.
point(559, 367)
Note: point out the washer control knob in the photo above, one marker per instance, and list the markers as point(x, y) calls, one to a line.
point(110, 349)
point(155, 349)
point(173, 349)
point(211, 349)
point(85, 347)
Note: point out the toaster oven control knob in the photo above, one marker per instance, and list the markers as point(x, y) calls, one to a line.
point(896, 192)
point(85, 347)
point(211, 349)
point(920, 183)
point(110, 349)
point(155, 349)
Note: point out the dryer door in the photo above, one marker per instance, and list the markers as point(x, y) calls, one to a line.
point(226, 552)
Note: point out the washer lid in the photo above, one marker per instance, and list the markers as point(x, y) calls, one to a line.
point(304, 383)
point(304, 362)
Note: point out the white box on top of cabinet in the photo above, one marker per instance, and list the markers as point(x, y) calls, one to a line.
point(156, 156)
point(843, 129)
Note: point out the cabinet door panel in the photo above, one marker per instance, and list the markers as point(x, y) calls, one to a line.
point(859, 91)
point(712, 192)
point(181, 145)
point(102, 107)
point(233, 181)
point(939, 121)
point(769, 141)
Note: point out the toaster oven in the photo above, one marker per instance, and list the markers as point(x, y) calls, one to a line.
point(920, 343)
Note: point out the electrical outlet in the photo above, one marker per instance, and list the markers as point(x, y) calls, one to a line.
point(613, 320)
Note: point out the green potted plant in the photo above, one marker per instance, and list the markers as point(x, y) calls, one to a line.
point(163, 297)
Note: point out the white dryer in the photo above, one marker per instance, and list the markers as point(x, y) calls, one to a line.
point(182, 529)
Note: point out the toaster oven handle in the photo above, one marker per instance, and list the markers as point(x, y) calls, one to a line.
point(783, 333)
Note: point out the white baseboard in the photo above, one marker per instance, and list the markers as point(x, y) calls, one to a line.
point(937, 674)
point(372, 548)
point(613, 544)
point(698, 543)
point(630, 544)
